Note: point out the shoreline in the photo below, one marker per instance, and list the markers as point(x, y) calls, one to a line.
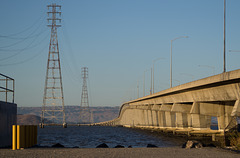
point(119, 152)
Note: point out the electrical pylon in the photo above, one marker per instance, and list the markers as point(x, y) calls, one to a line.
point(53, 100)
point(85, 114)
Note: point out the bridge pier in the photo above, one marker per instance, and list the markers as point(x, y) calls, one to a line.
point(162, 119)
point(199, 120)
point(146, 119)
point(170, 116)
point(236, 108)
point(149, 115)
point(155, 110)
point(183, 118)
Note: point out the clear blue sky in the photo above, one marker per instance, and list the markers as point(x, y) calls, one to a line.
point(117, 40)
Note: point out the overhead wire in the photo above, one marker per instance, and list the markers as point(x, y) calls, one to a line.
point(73, 59)
point(67, 68)
point(19, 52)
point(18, 38)
point(14, 34)
point(12, 50)
point(13, 44)
point(26, 60)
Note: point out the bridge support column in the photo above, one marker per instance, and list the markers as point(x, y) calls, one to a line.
point(146, 117)
point(203, 111)
point(161, 119)
point(221, 117)
point(182, 114)
point(155, 116)
point(224, 113)
point(169, 116)
point(150, 119)
point(236, 109)
point(140, 117)
point(199, 121)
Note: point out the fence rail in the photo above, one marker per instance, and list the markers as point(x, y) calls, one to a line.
point(7, 85)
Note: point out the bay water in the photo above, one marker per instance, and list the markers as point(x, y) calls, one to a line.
point(92, 136)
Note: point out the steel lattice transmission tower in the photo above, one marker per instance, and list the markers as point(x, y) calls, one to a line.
point(85, 114)
point(53, 100)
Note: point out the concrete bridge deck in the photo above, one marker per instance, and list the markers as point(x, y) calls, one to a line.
point(188, 107)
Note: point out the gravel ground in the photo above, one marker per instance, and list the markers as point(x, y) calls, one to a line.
point(119, 152)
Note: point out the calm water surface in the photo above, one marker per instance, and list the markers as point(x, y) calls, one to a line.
point(92, 136)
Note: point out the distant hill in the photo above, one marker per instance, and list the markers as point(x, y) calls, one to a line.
point(28, 119)
point(100, 114)
point(32, 115)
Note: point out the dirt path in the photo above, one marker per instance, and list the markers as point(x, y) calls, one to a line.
point(121, 153)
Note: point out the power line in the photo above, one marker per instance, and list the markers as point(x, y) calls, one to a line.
point(73, 58)
point(19, 38)
point(14, 34)
point(19, 52)
point(23, 38)
point(21, 49)
point(29, 59)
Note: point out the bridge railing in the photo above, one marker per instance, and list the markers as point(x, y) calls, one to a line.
point(7, 86)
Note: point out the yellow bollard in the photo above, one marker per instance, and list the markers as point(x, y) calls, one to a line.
point(18, 136)
point(14, 137)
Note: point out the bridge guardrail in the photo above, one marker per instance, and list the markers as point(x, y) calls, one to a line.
point(6, 88)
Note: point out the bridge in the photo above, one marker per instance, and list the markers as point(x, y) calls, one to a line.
point(186, 108)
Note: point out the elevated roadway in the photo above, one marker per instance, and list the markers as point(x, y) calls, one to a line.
point(188, 107)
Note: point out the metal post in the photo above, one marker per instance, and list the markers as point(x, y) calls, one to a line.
point(171, 58)
point(138, 89)
point(13, 90)
point(153, 78)
point(6, 88)
point(224, 39)
point(171, 66)
point(153, 73)
point(144, 83)
point(151, 83)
